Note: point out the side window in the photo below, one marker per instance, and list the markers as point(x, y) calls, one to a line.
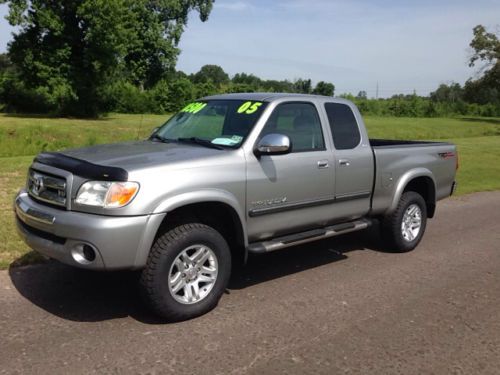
point(300, 122)
point(343, 124)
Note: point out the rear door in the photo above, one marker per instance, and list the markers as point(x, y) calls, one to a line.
point(353, 164)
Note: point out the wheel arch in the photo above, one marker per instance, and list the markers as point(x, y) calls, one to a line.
point(421, 181)
point(214, 208)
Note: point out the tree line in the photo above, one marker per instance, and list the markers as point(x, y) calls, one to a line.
point(87, 57)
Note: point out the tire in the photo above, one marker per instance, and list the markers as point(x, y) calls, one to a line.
point(174, 269)
point(398, 235)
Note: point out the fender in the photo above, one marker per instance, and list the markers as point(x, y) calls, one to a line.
point(180, 200)
point(403, 182)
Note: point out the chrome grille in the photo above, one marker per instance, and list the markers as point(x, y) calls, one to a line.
point(47, 188)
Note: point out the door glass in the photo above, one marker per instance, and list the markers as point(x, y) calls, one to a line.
point(300, 122)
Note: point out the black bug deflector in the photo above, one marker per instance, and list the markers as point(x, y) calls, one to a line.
point(82, 168)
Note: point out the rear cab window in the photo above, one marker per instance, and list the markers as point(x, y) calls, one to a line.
point(343, 125)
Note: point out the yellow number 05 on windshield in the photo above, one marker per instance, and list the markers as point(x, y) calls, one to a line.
point(249, 107)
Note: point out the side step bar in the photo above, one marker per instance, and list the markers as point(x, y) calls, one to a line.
point(308, 236)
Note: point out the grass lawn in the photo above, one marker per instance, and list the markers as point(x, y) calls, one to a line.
point(21, 137)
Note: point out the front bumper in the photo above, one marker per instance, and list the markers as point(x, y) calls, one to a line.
point(119, 242)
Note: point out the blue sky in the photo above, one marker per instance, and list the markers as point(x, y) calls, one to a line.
point(402, 45)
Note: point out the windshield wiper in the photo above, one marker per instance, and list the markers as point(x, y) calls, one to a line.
point(156, 137)
point(201, 142)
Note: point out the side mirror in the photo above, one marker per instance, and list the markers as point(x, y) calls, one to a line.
point(273, 144)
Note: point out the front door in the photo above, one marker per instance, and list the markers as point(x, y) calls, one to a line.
point(287, 193)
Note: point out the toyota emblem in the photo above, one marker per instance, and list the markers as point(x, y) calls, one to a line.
point(38, 185)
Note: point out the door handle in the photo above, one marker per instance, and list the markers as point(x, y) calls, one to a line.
point(344, 162)
point(323, 164)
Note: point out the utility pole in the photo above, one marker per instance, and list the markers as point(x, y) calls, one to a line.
point(376, 92)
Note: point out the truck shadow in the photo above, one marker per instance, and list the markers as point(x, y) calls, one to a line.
point(86, 296)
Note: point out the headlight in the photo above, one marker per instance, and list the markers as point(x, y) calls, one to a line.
point(107, 194)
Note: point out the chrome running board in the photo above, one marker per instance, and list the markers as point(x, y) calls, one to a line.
point(308, 236)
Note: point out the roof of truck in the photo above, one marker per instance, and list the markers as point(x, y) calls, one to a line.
point(261, 96)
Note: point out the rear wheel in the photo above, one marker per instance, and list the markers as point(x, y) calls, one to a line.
point(403, 229)
point(187, 272)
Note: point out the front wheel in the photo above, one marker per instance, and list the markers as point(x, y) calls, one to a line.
point(403, 229)
point(187, 272)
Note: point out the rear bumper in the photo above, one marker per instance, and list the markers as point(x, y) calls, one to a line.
point(118, 242)
point(453, 188)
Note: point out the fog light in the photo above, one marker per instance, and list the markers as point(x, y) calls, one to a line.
point(83, 254)
point(88, 253)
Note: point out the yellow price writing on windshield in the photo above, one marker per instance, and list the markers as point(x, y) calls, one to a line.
point(194, 107)
point(249, 107)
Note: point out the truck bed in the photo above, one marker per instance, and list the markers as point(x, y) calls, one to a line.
point(393, 158)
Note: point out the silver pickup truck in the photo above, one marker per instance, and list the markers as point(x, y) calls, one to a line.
point(227, 176)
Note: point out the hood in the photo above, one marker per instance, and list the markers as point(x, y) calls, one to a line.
point(142, 154)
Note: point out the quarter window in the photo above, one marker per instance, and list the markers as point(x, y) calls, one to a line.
point(300, 122)
point(343, 125)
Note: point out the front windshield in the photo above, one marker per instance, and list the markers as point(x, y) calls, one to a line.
point(223, 123)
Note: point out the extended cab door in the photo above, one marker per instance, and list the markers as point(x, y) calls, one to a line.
point(354, 167)
point(286, 193)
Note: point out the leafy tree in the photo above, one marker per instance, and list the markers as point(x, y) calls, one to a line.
point(205, 89)
point(5, 64)
point(486, 48)
point(278, 86)
point(347, 96)
point(68, 51)
point(484, 90)
point(154, 52)
point(303, 86)
point(361, 95)
point(324, 88)
point(447, 93)
point(181, 91)
point(241, 87)
point(211, 73)
point(247, 79)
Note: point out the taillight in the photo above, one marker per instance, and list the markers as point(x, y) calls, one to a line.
point(447, 155)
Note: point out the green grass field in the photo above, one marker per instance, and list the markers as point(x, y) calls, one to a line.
point(21, 137)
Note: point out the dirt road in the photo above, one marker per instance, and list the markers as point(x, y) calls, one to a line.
point(339, 306)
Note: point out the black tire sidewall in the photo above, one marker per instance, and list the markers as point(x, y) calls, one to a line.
point(168, 247)
point(392, 230)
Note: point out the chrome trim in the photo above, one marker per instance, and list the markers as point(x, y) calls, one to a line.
point(27, 213)
point(331, 231)
point(344, 162)
point(351, 196)
point(323, 164)
point(289, 206)
point(46, 188)
point(273, 144)
point(411, 223)
point(193, 274)
point(305, 204)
